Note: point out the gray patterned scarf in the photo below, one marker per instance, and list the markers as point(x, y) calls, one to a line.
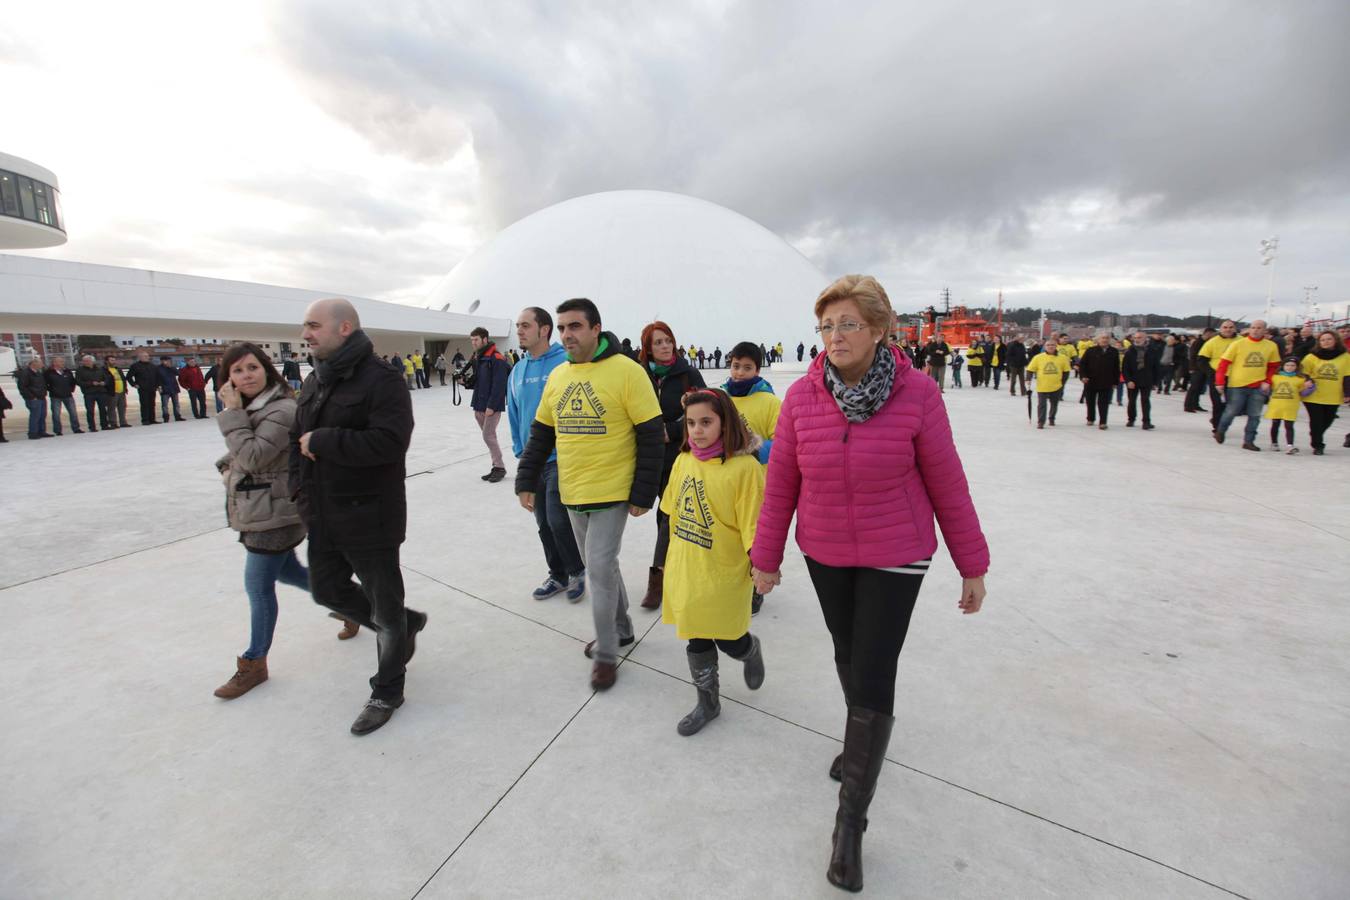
point(860, 403)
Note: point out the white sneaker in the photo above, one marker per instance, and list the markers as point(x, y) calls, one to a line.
point(1291, 451)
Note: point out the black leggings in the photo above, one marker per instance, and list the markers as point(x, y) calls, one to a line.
point(1288, 431)
point(867, 612)
point(1320, 417)
point(736, 649)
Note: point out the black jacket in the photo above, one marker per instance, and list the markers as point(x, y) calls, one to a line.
point(646, 475)
point(290, 370)
point(352, 495)
point(32, 385)
point(1017, 355)
point(93, 380)
point(1141, 364)
point(1100, 367)
point(669, 388)
point(144, 376)
point(60, 384)
point(937, 353)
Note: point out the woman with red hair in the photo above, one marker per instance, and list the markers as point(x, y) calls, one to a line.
point(672, 378)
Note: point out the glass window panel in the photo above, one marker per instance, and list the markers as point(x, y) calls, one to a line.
point(26, 206)
point(9, 194)
point(44, 210)
point(57, 211)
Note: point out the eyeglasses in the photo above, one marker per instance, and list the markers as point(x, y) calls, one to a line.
point(844, 328)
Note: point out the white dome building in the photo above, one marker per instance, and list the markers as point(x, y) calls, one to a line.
point(715, 276)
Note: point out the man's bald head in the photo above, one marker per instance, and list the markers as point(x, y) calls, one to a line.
point(328, 324)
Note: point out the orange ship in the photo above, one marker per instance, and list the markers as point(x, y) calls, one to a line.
point(956, 325)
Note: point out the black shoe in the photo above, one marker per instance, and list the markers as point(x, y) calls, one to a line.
point(1201, 409)
point(1148, 426)
point(80, 430)
point(495, 476)
point(1317, 451)
point(375, 714)
point(1346, 442)
point(590, 646)
point(756, 601)
point(1218, 436)
point(1130, 423)
point(1248, 445)
point(413, 629)
point(179, 419)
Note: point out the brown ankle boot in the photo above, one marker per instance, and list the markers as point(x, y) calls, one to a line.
point(249, 674)
point(655, 586)
point(349, 628)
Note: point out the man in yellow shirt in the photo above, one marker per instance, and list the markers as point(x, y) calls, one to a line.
point(599, 411)
point(1049, 368)
point(1244, 373)
point(1207, 361)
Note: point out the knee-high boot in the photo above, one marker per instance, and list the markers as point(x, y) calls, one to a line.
point(703, 668)
point(865, 741)
point(843, 669)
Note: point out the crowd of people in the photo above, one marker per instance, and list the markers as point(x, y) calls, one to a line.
point(602, 438)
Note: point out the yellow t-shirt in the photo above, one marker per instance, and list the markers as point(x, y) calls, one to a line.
point(118, 387)
point(759, 412)
point(1284, 399)
point(713, 507)
point(1083, 345)
point(1050, 369)
point(1067, 351)
point(975, 357)
point(593, 408)
point(1329, 375)
point(1213, 349)
point(407, 365)
point(1248, 361)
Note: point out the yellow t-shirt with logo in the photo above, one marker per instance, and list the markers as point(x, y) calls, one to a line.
point(1067, 351)
point(975, 357)
point(713, 507)
point(1248, 361)
point(759, 412)
point(1214, 348)
point(1329, 374)
point(1050, 369)
point(1284, 399)
point(593, 408)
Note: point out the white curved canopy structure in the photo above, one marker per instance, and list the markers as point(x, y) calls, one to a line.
point(714, 275)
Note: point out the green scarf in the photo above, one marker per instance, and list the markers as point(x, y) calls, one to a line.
point(660, 371)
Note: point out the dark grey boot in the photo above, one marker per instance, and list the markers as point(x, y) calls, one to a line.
point(843, 670)
point(703, 667)
point(754, 665)
point(865, 741)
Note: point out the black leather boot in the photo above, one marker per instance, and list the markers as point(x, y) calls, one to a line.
point(703, 667)
point(865, 740)
point(844, 670)
point(754, 664)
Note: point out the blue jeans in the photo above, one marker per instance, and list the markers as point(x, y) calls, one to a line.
point(555, 528)
point(37, 417)
point(262, 571)
point(1239, 401)
point(220, 407)
point(69, 404)
point(165, 399)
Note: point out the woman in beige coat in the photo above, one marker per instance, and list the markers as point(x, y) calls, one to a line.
point(256, 422)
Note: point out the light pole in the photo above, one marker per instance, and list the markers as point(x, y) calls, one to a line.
point(1269, 249)
point(1310, 301)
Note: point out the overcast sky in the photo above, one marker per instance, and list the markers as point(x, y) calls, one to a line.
point(1071, 155)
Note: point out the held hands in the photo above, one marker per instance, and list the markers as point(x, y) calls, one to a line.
point(972, 595)
point(765, 581)
point(229, 397)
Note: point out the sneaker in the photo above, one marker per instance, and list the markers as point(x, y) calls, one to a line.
point(1291, 451)
point(551, 587)
point(576, 587)
point(495, 476)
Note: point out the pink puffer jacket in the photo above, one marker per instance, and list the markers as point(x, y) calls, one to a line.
point(865, 494)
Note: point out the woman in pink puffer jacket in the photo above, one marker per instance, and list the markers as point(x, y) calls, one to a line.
point(863, 455)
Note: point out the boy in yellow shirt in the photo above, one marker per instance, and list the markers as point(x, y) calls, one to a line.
point(758, 407)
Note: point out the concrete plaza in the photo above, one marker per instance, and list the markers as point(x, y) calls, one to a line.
point(1153, 703)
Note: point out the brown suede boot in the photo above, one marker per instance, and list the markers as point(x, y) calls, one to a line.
point(249, 674)
point(349, 628)
point(655, 586)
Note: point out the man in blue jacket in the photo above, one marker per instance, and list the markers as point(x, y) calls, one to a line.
point(489, 395)
point(566, 571)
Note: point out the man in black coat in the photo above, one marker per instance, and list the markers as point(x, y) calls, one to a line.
point(144, 377)
point(353, 424)
point(93, 381)
point(1141, 374)
point(61, 389)
point(1017, 366)
point(1099, 368)
point(935, 354)
point(32, 383)
point(1201, 376)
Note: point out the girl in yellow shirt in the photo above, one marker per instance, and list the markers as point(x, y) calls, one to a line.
point(1287, 389)
point(713, 500)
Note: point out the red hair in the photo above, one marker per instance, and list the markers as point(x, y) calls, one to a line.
point(648, 334)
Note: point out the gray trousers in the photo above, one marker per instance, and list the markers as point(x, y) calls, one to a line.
point(599, 536)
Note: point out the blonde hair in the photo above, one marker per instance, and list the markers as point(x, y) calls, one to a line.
point(871, 298)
